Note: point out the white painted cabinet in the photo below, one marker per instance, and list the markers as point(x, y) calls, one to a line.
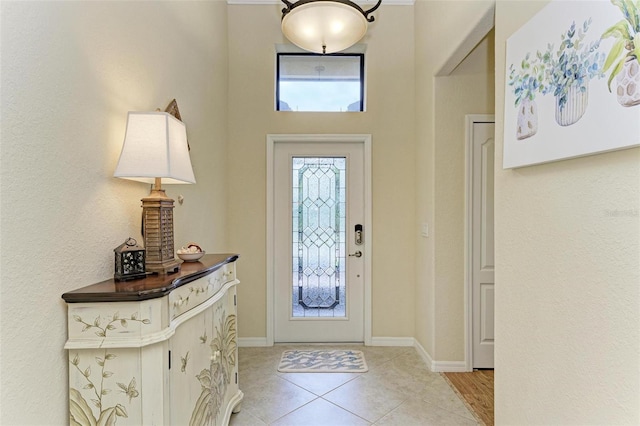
point(156, 351)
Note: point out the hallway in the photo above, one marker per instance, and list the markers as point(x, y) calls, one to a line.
point(398, 390)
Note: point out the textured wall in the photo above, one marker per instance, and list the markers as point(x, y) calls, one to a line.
point(253, 33)
point(445, 30)
point(469, 89)
point(70, 73)
point(567, 279)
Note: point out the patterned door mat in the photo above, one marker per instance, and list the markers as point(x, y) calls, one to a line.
point(322, 361)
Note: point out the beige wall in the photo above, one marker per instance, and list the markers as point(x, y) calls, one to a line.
point(253, 33)
point(70, 73)
point(469, 89)
point(445, 30)
point(567, 279)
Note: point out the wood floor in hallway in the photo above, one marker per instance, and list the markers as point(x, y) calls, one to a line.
point(476, 389)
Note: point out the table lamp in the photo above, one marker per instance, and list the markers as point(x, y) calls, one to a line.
point(154, 149)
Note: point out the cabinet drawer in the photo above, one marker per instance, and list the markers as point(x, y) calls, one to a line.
point(228, 272)
point(196, 292)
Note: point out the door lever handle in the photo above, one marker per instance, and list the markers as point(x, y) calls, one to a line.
point(356, 254)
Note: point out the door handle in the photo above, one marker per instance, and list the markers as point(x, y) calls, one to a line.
point(356, 254)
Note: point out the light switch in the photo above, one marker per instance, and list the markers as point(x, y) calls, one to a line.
point(425, 230)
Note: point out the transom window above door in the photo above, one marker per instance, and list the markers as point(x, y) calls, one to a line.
point(320, 83)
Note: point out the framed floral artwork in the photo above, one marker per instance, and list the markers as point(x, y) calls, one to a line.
point(573, 82)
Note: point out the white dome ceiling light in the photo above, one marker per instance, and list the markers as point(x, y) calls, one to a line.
point(325, 26)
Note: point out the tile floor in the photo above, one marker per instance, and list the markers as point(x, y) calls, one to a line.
point(398, 390)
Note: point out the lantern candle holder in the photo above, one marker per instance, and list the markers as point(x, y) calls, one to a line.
point(129, 261)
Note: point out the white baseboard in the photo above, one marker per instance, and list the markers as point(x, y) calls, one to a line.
point(252, 342)
point(440, 366)
point(423, 354)
point(375, 341)
point(449, 366)
point(392, 341)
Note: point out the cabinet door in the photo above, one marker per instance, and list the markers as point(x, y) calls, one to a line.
point(104, 387)
point(203, 365)
point(232, 394)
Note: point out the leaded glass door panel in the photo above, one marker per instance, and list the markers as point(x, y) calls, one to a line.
point(318, 236)
point(319, 198)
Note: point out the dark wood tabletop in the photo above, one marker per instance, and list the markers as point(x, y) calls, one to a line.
point(151, 287)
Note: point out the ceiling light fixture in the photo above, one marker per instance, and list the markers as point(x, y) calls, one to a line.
point(325, 26)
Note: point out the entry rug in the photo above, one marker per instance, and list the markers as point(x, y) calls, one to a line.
point(322, 361)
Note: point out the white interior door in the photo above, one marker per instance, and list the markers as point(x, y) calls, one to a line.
point(482, 260)
point(319, 274)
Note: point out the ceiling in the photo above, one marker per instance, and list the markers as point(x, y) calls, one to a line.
point(362, 3)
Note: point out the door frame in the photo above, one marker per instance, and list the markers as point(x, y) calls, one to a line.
point(272, 140)
point(470, 120)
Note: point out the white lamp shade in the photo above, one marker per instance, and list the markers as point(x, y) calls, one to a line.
point(336, 26)
point(155, 146)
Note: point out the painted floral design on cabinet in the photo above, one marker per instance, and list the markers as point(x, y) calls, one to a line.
point(98, 381)
point(110, 325)
point(217, 376)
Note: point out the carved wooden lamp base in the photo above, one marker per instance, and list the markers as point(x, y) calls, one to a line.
point(157, 219)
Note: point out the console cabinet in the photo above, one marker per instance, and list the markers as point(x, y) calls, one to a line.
point(156, 351)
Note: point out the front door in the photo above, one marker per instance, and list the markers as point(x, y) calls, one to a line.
point(319, 234)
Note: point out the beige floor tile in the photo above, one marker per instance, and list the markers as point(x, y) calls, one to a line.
point(320, 412)
point(398, 390)
point(245, 418)
point(366, 397)
point(440, 394)
point(411, 363)
point(416, 412)
point(376, 355)
point(272, 397)
point(319, 383)
point(258, 357)
point(402, 383)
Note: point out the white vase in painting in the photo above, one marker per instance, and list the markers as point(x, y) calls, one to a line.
point(574, 108)
point(527, 119)
point(628, 82)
